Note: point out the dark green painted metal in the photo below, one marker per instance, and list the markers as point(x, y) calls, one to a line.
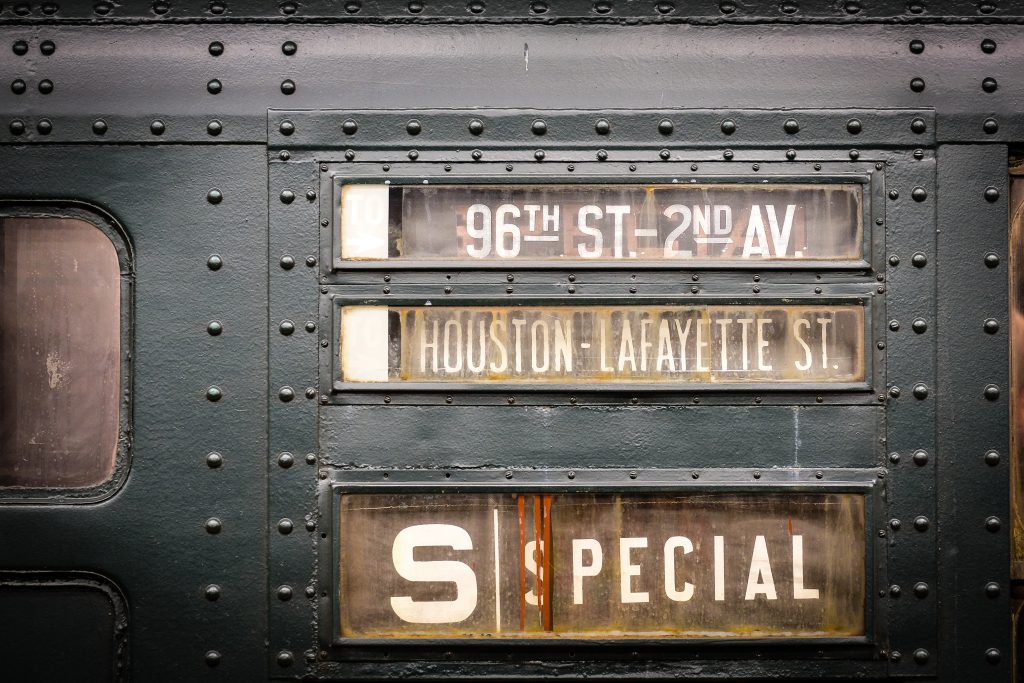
point(204, 606)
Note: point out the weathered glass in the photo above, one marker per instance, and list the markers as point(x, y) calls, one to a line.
point(680, 344)
point(659, 565)
point(738, 222)
point(60, 353)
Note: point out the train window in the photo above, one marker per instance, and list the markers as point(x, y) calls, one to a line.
point(61, 351)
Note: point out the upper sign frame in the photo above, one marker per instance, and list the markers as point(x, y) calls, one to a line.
point(606, 174)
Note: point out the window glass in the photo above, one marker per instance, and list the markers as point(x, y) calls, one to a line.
point(60, 353)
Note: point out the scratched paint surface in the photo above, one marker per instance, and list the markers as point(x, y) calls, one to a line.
point(603, 344)
point(602, 565)
point(722, 222)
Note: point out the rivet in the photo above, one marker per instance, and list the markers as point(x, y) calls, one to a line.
point(214, 460)
point(791, 154)
point(895, 591)
point(894, 391)
point(894, 194)
point(413, 127)
point(99, 126)
point(882, 534)
point(602, 127)
point(214, 394)
point(920, 457)
point(284, 593)
point(919, 260)
point(310, 524)
point(728, 126)
point(476, 127)
point(991, 194)
point(349, 127)
point(157, 127)
point(917, 84)
point(448, 290)
point(18, 86)
point(102, 8)
point(665, 127)
point(989, 85)
point(17, 127)
point(854, 154)
point(285, 526)
point(212, 658)
point(46, 86)
point(921, 589)
point(992, 589)
point(817, 167)
point(921, 655)
point(917, 46)
point(284, 657)
point(880, 345)
point(212, 525)
point(310, 592)
point(285, 460)
point(289, 47)
point(991, 458)
point(919, 325)
point(288, 86)
point(570, 168)
point(413, 155)
point(218, 8)
point(477, 155)
point(990, 126)
point(310, 195)
point(289, 8)
point(921, 523)
point(918, 194)
point(476, 6)
point(727, 155)
point(853, 126)
point(664, 154)
point(602, 6)
point(894, 325)
point(602, 155)
point(988, 46)
point(214, 328)
point(323, 342)
point(287, 197)
point(992, 655)
point(349, 155)
point(448, 399)
point(791, 126)
point(353, 6)
point(511, 400)
point(212, 592)
point(852, 7)
point(20, 47)
point(214, 262)
point(918, 126)
point(992, 524)
point(286, 327)
point(310, 458)
point(894, 260)
point(817, 290)
point(894, 458)
point(819, 474)
point(214, 86)
point(539, 127)
point(726, 7)
point(757, 474)
point(632, 290)
point(508, 167)
point(286, 394)
point(539, 155)
point(895, 656)
point(991, 392)
point(571, 475)
point(215, 128)
point(991, 260)
point(895, 524)
point(415, 7)
point(287, 262)
point(214, 196)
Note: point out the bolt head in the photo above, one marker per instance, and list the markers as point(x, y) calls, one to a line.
point(214, 460)
point(993, 524)
point(286, 394)
point(991, 392)
point(287, 197)
point(854, 126)
point(917, 84)
point(602, 127)
point(992, 589)
point(920, 325)
point(539, 127)
point(918, 126)
point(918, 194)
point(921, 656)
point(921, 589)
point(214, 394)
point(212, 658)
point(917, 46)
point(920, 458)
point(989, 85)
point(921, 523)
point(285, 526)
point(992, 655)
point(791, 126)
point(284, 593)
point(212, 592)
point(286, 127)
point(214, 262)
point(214, 86)
point(991, 194)
point(413, 127)
point(214, 196)
point(992, 458)
point(728, 126)
point(214, 128)
point(990, 126)
point(99, 127)
point(920, 392)
point(665, 127)
point(285, 658)
point(213, 526)
point(349, 127)
point(285, 460)
point(991, 260)
point(919, 260)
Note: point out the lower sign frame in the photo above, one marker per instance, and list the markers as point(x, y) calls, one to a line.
point(872, 645)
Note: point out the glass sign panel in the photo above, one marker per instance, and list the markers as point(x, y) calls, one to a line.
point(599, 565)
point(673, 344)
point(735, 222)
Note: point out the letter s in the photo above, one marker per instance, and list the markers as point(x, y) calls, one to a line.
point(434, 611)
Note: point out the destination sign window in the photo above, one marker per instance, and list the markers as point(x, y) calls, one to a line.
point(727, 222)
point(606, 344)
point(601, 565)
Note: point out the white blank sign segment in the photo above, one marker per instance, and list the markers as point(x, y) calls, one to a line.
point(364, 344)
point(364, 221)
